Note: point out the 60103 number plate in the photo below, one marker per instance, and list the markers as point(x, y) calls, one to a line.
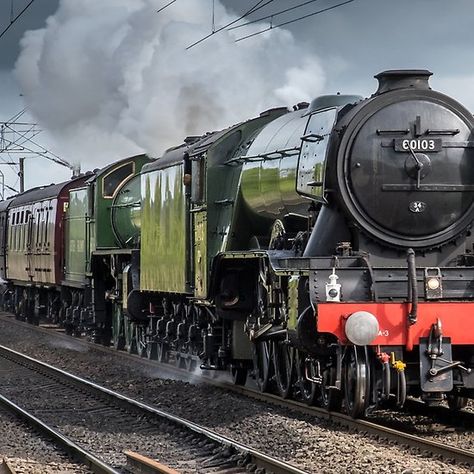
point(417, 144)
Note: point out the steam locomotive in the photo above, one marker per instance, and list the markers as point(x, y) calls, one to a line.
point(326, 250)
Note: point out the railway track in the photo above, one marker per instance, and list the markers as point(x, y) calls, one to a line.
point(81, 414)
point(377, 430)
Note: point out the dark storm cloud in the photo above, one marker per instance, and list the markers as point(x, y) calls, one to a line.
point(34, 17)
point(365, 37)
point(355, 41)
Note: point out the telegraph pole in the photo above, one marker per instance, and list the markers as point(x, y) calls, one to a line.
point(21, 174)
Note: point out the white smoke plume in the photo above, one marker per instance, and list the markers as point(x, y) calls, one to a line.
point(110, 78)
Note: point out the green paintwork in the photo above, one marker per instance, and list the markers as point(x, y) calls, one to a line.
point(227, 223)
point(268, 183)
point(293, 302)
point(217, 218)
point(104, 236)
point(200, 255)
point(126, 213)
point(77, 243)
point(163, 239)
point(88, 221)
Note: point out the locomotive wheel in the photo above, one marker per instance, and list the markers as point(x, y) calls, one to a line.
point(329, 398)
point(356, 377)
point(130, 339)
point(283, 358)
point(262, 364)
point(239, 375)
point(118, 337)
point(456, 402)
point(308, 390)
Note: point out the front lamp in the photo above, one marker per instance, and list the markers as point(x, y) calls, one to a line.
point(361, 328)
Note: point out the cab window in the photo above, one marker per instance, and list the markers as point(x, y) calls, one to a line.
point(112, 180)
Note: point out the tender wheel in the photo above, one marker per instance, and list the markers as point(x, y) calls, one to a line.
point(119, 342)
point(162, 352)
point(131, 340)
point(180, 362)
point(283, 356)
point(117, 332)
point(262, 364)
point(239, 375)
point(356, 380)
point(141, 340)
point(456, 402)
point(308, 390)
point(152, 350)
point(191, 364)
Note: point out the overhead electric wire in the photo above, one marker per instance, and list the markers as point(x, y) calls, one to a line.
point(12, 189)
point(274, 14)
point(15, 117)
point(16, 18)
point(10, 163)
point(44, 153)
point(59, 161)
point(166, 6)
point(255, 8)
point(23, 135)
point(271, 27)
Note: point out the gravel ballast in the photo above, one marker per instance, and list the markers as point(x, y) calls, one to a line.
point(310, 443)
point(28, 452)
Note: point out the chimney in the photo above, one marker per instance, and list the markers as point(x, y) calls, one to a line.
point(403, 79)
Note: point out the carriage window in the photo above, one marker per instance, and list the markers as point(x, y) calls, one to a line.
point(38, 223)
point(112, 181)
point(311, 163)
point(45, 241)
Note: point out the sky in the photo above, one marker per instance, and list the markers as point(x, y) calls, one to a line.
point(111, 78)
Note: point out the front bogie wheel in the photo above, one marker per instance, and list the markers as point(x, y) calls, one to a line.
point(356, 375)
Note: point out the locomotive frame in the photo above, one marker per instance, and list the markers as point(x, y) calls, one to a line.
point(275, 248)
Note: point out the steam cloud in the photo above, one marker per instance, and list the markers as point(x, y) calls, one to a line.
point(112, 78)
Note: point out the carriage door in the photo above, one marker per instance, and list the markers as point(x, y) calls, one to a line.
point(29, 243)
point(199, 221)
point(312, 160)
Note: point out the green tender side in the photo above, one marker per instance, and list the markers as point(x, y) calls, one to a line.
point(77, 242)
point(163, 239)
